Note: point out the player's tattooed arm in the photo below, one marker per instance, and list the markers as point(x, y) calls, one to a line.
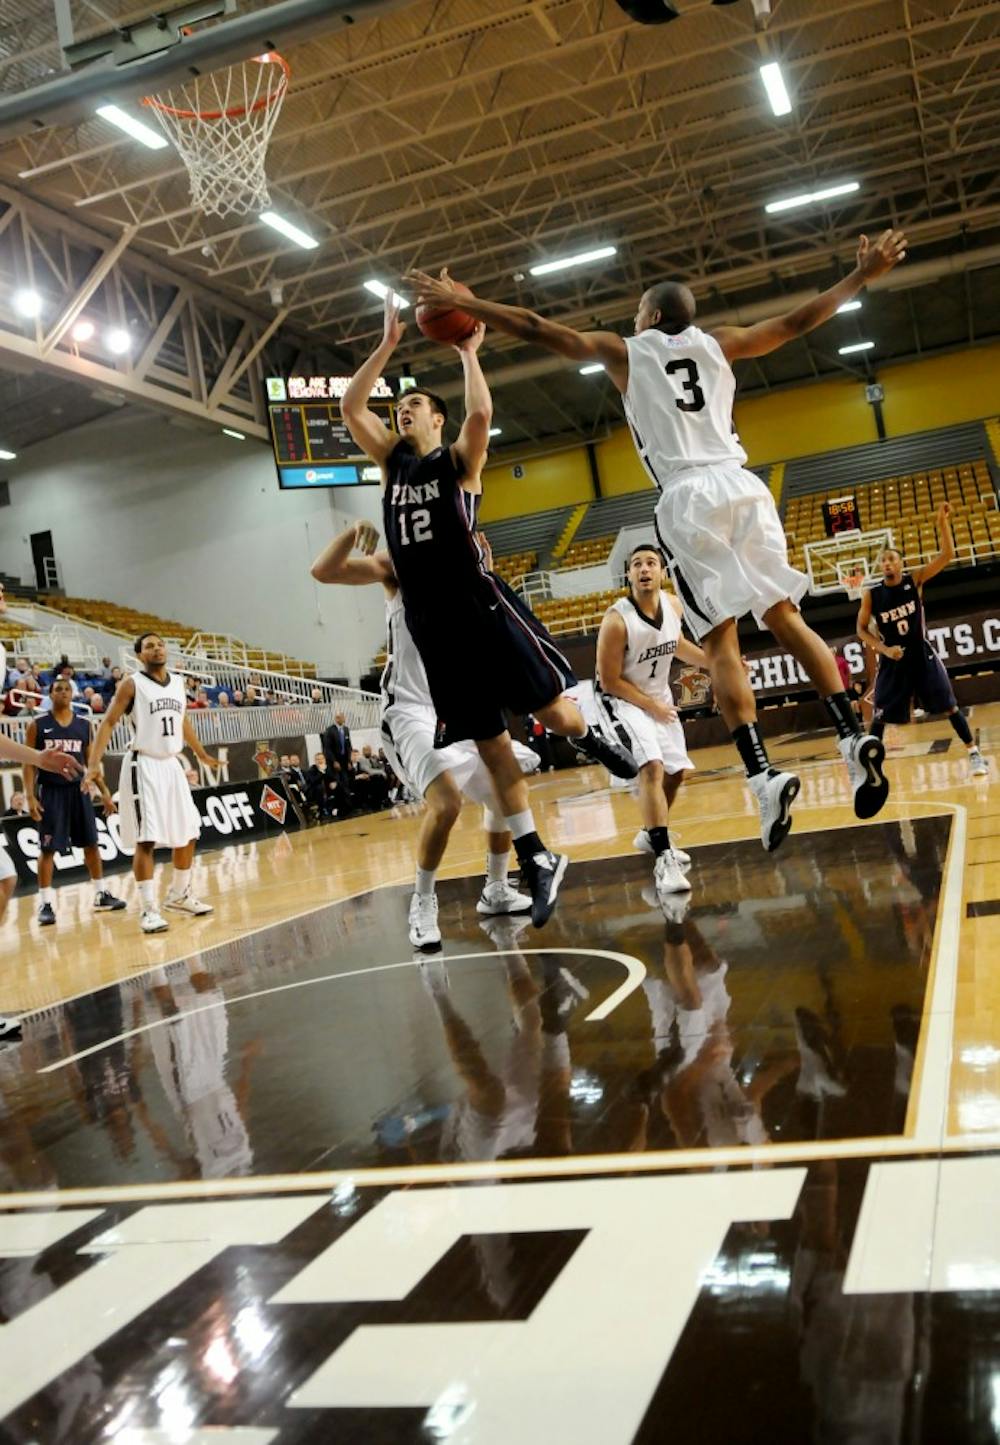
point(874, 259)
point(611, 643)
point(867, 634)
point(335, 563)
point(367, 429)
point(947, 553)
point(593, 346)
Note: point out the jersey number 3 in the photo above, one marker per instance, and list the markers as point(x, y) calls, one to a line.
point(421, 526)
point(696, 397)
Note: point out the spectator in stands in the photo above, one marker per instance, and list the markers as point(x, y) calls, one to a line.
point(315, 695)
point(98, 705)
point(28, 699)
point(200, 699)
point(109, 683)
point(370, 782)
point(190, 690)
point(239, 698)
point(107, 671)
point(251, 697)
point(320, 788)
point(538, 741)
point(19, 673)
point(223, 700)
point(18, 806)
point(88, 695)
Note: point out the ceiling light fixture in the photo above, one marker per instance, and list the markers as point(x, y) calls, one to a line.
point(381, 290)
point(227, 431)
point(855, 346)
point(7, 456)
point(848, 306)
point(592, 368)
point(774, 84)
point(546, 268)
point(807, 198)
point(289, 229)
point(135, 128)
point(82, 331)
point(27, 303)
point(117, 340)
point(495, 431)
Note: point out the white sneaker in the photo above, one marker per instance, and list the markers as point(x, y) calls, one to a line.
point(775, 793)
point(643, 845)
point(10, 1030)
point(978, 766)
point(669, 876)
point(188, 903)
point(864, 756)
point(424, 931)
point(153, 922)
point(502, 898)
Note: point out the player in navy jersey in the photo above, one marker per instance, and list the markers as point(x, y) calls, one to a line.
point(64, 814)
point(482, 650)
point(891, 623)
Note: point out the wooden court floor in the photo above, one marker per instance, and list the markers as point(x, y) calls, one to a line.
point(269, 1177)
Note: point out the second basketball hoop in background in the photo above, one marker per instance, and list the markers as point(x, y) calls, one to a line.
point(221, 124)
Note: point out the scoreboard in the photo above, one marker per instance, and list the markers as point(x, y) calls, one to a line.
point(840, 514)
point(312, 446)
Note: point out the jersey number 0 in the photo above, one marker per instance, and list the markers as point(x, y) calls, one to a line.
point(696, 397)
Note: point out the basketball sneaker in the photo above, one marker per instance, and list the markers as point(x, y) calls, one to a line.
point(106, 902)
point(188, 903)
point(978, 766)
point(864, 756)
point(543, 873)
point(775, 793)
point(669, 876)
point(423, 920)
point(46, 915)
point(10, 1031)
point(618, 760)
point(153, 921)
point(502, 898)
point(642, 843)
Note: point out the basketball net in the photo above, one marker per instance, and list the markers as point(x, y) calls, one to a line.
point(854, 582)
point(220, 125)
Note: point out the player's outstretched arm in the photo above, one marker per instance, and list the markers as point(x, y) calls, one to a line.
point(335, 563)
point(367, 429)
point(611, 643)
point(947, 553)
point(872, 261)
point(124, 695)
point(50, 760)
point(474, 438)
point(603, 346)
point(867, 635)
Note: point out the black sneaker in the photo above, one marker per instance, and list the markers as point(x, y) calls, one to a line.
point(106, 902)
point(542, 873)
point(618, 760)
point(10, 1031)
point(46, 914)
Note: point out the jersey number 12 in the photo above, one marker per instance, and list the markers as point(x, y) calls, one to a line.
point(696, 397)
point(421, 526)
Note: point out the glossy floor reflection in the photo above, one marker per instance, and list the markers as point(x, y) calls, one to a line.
point(791, 1014)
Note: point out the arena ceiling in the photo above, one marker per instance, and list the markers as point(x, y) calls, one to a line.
point(494, 136)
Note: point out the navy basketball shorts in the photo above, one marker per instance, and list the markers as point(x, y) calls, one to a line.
point(68, 820)
point(490, 656)
point(925, 683)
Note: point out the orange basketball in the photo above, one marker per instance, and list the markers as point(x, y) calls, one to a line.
point(446, 324)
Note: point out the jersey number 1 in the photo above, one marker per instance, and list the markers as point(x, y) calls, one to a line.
point(691, 385)
point(168, 726)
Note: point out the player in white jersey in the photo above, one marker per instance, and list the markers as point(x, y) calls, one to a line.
point(409, 723)
point(155, 805)
point(639, 638)
point(716, 522)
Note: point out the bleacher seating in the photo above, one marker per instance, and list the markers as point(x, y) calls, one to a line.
point(516, 565)
point(535, 532)
point(907, 505)
point(587, 554)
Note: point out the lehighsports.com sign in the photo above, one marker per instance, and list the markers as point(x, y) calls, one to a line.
point(230, 813)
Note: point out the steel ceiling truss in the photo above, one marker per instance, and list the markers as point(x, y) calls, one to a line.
point(191, 353)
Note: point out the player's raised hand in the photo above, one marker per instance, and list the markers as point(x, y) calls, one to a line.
point(943, 512)
point(473, 342)
point(392, 327)
point(432, 290)
point(365, 538)
point(876, 258)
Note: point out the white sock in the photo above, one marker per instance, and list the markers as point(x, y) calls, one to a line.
point(521, 823)
point(147, 893)
point(47, 895)
point(98, 886)
point(424, 884)
point(180, 882)
point(497, 865)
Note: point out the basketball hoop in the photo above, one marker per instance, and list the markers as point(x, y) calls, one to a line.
point(221, 124)
point(854, 585)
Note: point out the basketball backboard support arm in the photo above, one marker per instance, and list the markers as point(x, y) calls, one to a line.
point(129, 43)
point(116, 67)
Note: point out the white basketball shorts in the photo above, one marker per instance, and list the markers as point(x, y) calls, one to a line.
point(7, 869)
point(647, 740)
point(408, 733)
point(155, 803)
point(725, 547)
